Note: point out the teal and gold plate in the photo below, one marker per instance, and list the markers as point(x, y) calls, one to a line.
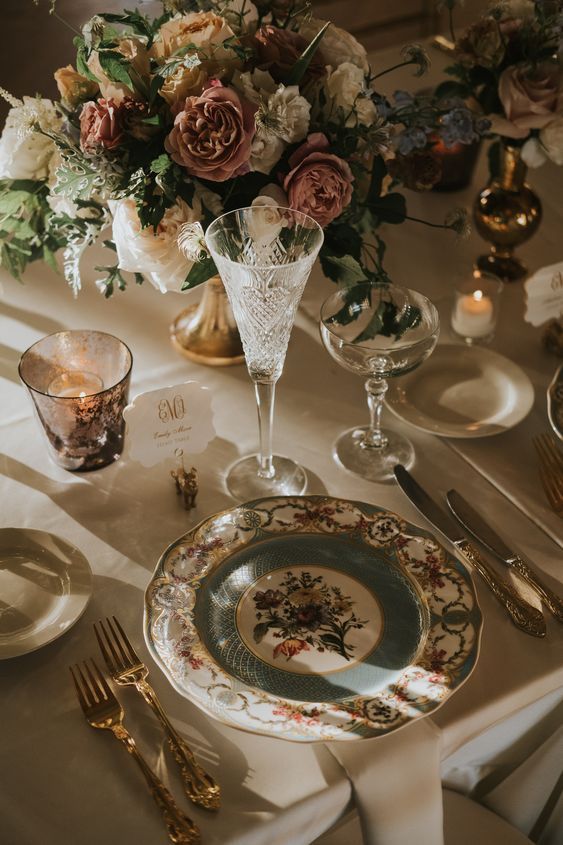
point(312, 618)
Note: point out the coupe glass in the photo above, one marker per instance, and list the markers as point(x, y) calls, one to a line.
point(264, 256)
point(378, 331)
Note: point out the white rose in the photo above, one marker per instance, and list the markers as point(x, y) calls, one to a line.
point(346, 87)
point(156, 255)
point(254, 86)
point(266, 151)
point(26, 154)
point(267, 220)
point(533, 153)
point(551, 137)
point(337, 45)
point(289, 113)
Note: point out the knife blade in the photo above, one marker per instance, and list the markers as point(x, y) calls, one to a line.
point(523, 615)
point(476, 525)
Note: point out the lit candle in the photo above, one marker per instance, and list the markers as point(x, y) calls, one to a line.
point(75, 384)
point(473, 315)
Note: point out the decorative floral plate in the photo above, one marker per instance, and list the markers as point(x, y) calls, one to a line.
point(312, 618)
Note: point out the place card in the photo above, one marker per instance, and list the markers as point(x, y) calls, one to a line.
point(162, 422)
point(544, 295)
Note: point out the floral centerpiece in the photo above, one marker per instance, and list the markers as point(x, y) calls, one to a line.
point(507, 62)
point(166, 123)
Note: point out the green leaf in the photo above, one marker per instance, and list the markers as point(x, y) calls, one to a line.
point(114, 66)
point(160, 164)
point(260, 631)
point(139, 278)
point(200, 272)
point(153, 120)
point(300, 67)
point(12, 201)
point(349, 270)
point(110, 245)
point(49, 258)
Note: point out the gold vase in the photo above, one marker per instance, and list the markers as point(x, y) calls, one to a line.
point(207, 332)
point(507, 212)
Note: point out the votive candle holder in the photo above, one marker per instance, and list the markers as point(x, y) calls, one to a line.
point(476, 308)
point(79, 383)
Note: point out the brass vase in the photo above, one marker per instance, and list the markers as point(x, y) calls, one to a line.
point(507, 212)
point(207, 332)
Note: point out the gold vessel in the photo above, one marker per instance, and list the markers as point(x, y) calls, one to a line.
point(207, 332)
point(507, 212)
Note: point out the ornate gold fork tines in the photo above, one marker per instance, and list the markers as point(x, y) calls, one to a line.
point(103, 710)
point(126, 668)
point(551, 470)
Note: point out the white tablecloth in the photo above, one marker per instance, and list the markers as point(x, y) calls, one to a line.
point(64, 783)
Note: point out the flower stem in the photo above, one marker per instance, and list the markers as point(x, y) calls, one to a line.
point(389, 69)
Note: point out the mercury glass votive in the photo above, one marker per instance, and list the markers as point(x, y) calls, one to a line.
point(79, 384)
point(476, 308)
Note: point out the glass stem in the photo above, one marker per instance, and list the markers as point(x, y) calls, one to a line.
point(376, 389)
point(265, 395)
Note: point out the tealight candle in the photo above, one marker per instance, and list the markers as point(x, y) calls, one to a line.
point(474, 313)
point(75, 384)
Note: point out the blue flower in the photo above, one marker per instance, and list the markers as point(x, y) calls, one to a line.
point(457, 127)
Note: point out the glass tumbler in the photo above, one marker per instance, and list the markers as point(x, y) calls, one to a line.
point(79, 384)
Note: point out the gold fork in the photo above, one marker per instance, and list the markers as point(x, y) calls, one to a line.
point(103, 710)
point(126, 669)
point(551, 470)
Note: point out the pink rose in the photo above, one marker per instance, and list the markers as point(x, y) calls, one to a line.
point(100, 124)
point(212, 135)
point(320, 183)
point(529, 101)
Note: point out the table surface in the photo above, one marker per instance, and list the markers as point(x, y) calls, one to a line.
point(65, 783)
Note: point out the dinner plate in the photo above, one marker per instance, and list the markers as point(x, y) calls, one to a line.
point(463, 391)
point(45, 585)
point(312, 618)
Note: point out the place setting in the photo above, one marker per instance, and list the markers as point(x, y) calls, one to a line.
point(235, 149)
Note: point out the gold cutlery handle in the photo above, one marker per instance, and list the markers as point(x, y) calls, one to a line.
point(181, 830)
point(524, 616)
point(199, 785)
point(551, 599)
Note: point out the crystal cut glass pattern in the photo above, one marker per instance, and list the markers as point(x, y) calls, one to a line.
point(264, 256)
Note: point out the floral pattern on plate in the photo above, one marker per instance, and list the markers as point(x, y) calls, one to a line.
point(449, 645)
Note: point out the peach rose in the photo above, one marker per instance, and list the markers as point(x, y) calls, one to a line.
point(207, 32)
point(100, 125)
point(529, 100)
point(136, 54)
point(320, 183)
point(212, 135)
point(184, 82)
point(73, 87)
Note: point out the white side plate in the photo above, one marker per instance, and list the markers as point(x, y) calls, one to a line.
point(45, 585)
point(463, 391)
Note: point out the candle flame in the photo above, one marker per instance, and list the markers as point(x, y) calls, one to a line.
point(478, 295)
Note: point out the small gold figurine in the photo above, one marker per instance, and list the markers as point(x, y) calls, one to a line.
point(186, 482)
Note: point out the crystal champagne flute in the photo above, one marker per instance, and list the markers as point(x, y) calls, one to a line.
point(264, 256)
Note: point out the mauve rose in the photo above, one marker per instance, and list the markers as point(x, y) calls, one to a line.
point(100, 124)
point(278, 50)
point(530, 100)
point(212, 135)
point(319, 183)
